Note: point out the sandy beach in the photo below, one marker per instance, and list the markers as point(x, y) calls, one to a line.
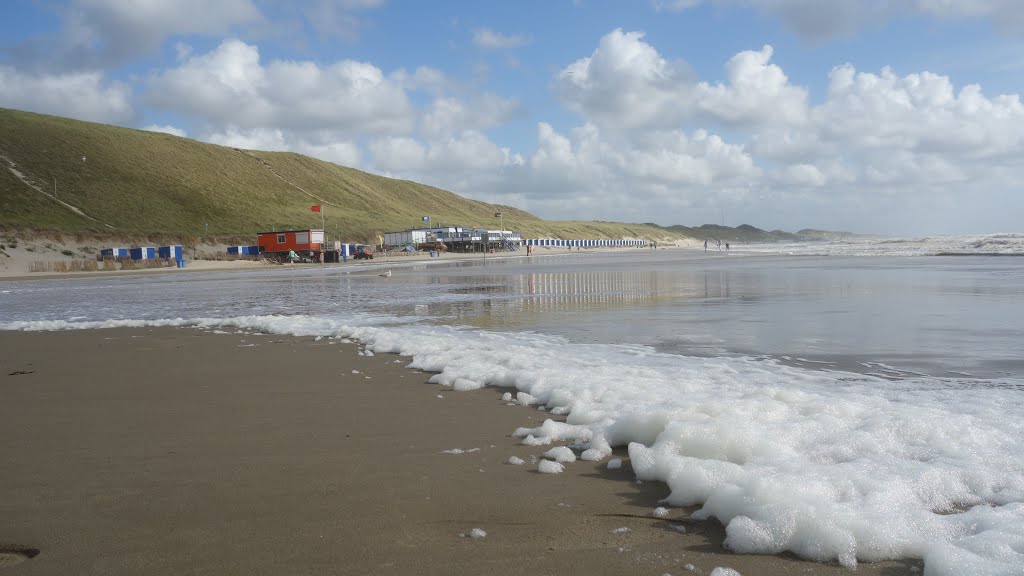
point(28, 259)
point(170, 451)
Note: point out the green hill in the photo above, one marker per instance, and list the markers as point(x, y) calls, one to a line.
point(66, 176)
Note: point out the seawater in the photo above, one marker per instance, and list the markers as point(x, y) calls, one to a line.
point(839, 402)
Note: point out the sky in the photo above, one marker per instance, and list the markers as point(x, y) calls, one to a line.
point(895, 117)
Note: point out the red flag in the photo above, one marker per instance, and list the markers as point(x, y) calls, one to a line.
point(314, 208)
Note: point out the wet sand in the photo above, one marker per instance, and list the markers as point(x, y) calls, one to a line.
point(173, 451)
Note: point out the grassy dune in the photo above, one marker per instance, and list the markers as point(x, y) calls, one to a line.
point(135, 183)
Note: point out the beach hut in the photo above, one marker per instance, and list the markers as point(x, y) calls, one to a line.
point(113, 253)
point(170, 252)
point(143, 253)
point(306, 243)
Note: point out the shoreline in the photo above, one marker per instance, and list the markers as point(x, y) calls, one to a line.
point(195, 266)
point(16, 263)
point(170, 450)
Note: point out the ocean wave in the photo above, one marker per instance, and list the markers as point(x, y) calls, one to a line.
point(1000, 244)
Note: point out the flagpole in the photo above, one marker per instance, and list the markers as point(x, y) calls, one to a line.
point(323, 231)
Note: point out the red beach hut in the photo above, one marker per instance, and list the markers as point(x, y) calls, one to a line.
point(305, 243)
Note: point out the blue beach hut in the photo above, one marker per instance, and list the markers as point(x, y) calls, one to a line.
point(143, 253)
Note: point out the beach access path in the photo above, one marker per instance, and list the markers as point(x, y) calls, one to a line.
point(179, 451)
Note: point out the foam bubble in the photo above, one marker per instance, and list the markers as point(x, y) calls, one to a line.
point(561, 454)
point(550, 467)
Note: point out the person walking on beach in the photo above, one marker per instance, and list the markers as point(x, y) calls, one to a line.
point(705, 244)
point(292, 257)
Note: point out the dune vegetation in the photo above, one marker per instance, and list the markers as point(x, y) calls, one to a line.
point(66, 176)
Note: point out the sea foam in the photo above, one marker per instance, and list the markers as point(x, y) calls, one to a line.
point(825, 464)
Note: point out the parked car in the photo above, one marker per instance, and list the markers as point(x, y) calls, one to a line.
point(363, 255)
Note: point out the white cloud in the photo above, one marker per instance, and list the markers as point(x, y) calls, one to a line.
point(338, 17)
point(182, 50)
point(322, 109)
point(105, 32)
point(466, 163)
point(341, 152)
point(231, 86)
point(256, 139)
point(166, 129)
point(161, 18)
point(918, 112)
point(399, 155)
point(324, 146)
point(757, 93)
point(424, 78)
point(359, 4)
point(1006, 15)
point(626, 83)
point(661, 172)
point(865, 121)
point(674, 5)
point(878, 143)
point(310, 108)
point(887, 149)
point(80, 95)
point(446, 116)
point(487, 38)
point(802, 175)
point(818, 20)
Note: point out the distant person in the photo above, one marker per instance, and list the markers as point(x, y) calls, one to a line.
point(292, 256)
point(727, 246)
point(705, 244)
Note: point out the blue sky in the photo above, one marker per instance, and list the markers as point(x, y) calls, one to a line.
point(896, 117)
